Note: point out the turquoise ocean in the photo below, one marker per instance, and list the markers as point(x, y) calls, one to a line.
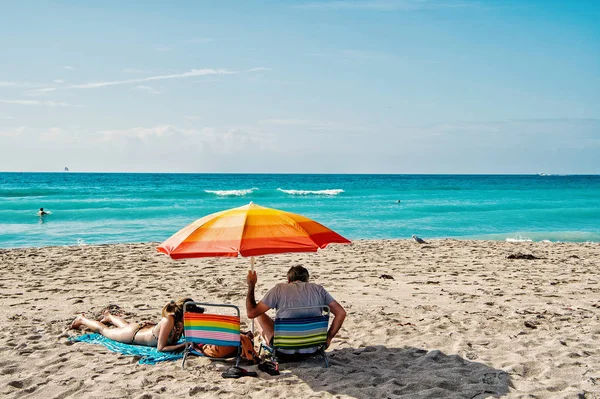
point(94, 208)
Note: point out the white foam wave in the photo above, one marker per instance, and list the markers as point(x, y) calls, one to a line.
point(81, 242)
point(237, 193)
point(519, 239)
point(312, 192)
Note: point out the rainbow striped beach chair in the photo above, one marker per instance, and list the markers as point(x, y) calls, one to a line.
point(300, 333)
point(210, 328)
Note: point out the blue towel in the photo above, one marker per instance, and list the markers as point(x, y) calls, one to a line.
point(147, 354)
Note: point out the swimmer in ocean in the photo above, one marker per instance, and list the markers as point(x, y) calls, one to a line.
point(41, 212)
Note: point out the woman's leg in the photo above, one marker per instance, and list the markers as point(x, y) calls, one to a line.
point(265, 327)
point(114, 320)
point(121, 334)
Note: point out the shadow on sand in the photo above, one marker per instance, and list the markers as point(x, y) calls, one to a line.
point(381, 372)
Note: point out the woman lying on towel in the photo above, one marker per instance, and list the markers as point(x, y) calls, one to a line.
point(163, 336)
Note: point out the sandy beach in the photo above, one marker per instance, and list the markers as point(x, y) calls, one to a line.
point(454, 319)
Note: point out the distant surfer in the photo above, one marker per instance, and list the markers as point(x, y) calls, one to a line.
point(398, 201)
point(42, 212)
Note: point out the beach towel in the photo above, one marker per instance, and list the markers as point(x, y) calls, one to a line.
point(147, 354)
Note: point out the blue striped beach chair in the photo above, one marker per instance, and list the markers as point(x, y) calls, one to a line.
point(209, 328)
point(300, 333)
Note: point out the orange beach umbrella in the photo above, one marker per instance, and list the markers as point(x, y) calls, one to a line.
point(249, 230)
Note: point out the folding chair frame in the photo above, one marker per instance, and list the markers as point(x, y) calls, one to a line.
point(188, 344)
point(272, 350)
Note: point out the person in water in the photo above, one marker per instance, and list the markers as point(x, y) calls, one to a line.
point(163, 336)
point(41, 212)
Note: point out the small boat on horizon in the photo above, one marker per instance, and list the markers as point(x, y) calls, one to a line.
point(66, 169)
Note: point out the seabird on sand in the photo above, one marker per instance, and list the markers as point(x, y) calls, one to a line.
point(418, 240)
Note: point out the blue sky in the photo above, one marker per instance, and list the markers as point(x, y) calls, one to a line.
point(382, 86)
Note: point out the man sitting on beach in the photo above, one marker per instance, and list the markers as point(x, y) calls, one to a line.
point(297, 292)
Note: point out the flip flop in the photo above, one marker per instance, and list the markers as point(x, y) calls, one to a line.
point(237, 372)
point(269, 368)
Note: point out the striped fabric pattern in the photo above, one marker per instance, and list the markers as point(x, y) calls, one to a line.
point(202, 328)
point(297, 333)
point(249, 230)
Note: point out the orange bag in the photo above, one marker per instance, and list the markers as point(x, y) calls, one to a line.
point(248, 351)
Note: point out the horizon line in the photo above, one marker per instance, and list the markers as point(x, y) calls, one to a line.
point(312, 173)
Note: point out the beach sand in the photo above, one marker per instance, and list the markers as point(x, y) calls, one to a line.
point(458, 320)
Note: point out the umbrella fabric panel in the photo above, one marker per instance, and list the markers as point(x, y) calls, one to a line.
point(225, 227)
point(249, 230)
point(218, 234)
point(321, 235)
point(178, 237)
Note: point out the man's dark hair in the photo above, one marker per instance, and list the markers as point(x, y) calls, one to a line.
point(298, 273)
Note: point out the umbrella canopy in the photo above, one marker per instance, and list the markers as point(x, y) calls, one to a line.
point(249, 230)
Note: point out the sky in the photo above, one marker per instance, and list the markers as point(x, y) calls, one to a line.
point(346, 86)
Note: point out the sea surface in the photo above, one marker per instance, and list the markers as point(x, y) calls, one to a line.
point(93, 208)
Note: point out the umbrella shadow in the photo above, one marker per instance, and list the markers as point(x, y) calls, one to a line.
point(381, 372)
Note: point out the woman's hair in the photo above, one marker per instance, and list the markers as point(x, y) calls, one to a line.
point(175, 308)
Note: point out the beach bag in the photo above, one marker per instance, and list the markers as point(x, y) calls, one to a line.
point(248, 351)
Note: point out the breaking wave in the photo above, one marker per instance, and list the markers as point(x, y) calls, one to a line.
point(236, 193)
point(519, 239)
point(312, 192)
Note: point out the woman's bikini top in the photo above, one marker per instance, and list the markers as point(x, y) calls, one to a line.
point(172, 339)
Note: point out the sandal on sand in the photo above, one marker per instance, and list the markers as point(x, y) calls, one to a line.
point(269, 368)
point(237, 372)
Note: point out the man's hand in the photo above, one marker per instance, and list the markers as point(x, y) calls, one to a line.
point(328, 344)
point(252, 278)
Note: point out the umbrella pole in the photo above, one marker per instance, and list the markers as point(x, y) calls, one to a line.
point(252, 269)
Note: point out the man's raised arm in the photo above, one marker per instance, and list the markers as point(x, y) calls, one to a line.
point(253, 309)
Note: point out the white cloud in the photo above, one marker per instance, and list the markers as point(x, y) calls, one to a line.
point(12, 132)
point(521, 146)
point(163, 48)
point(58, 135)
point(36, 102)
point(385, 5)
point(226, 137)
point(191, 73)
point(6, 117)
point(69, 68)
point(16, 84)
point(314, 125)
point(148, 89)
point(59, 81)
point(39, 92)
point(259, 69)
